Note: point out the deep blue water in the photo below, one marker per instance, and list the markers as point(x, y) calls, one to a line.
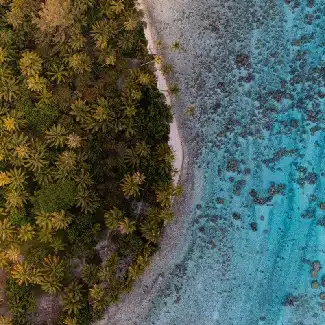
point(257, 224)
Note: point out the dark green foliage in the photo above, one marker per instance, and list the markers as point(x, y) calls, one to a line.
point(37, 254)
point(40, 117)
point(19, 218)
point(86, 315)
point(154, 119)
point(56, 197)
point(130, 245)
point(20, 299)
point(82, 236)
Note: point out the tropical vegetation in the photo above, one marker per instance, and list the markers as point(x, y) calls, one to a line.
point(84, 154)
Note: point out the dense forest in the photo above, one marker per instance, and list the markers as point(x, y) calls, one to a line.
point(84, 156)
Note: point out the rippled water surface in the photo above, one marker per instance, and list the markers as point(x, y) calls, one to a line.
point(256, 73)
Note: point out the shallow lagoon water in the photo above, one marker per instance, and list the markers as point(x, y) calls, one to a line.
point(256, 73)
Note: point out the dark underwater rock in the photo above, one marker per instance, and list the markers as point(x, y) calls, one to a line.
point(236, 216)
point(289, 300)
point(242, 60)
point(253, 226)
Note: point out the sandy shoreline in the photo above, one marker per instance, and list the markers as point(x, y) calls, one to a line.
point(133, 308)
point(174, 137)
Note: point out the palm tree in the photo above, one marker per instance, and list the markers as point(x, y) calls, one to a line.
point(60, 220)
point(130, 110)
point(110, 59)
point(57, 244)
point(72, 299)
point(166, 215)
point(131, 184)
point(44, 220)
point(58, 73)
point(80, 63)
point(17, 178)
point(133, 273)
point(166, 69)
point(4, 179)
point(129, 99)
point(45, 97)
point(164, 195)
point(30, 64)
point(178, 191)
point(52, 272)
point(77, 40)
point(83, 180)
point(5, 320)
point(158, 59)
point(101, 33)
point(176, 46)
point(87, 200)
point(44, 176)
point(36, 160)
point(165, 157)
point(66, 162)
point(70, 321)
point(18, 139)
point(7, 230)
point(125, 42)
point(52, 266)
point(97, 296)
point(22, 151)
point(80, 110)
point(50, 285)
point(132, 159)
point(129, 130)
point(56, 136)
point(26, 232)
point(108, 271)
point(150, 229)
point(36, 83)
point(190, 110)
point(101, 110)
point(142, 149)
point(89, 274)
point(18, 142)
point(126, 226)
point(144, 78)
point(10, 124)
point(117, 6)
point(131, 23)
point(174, 89)
point(4, 261)
point(9, 89)
point(22, 272)
point(3, 54)
point(73, 141)
point(13, 253)
point(113, 218)
point(45, 236)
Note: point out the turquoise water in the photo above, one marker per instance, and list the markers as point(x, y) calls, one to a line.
point(257, 224)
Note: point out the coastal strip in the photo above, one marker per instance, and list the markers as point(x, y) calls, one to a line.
point(174, 138)
point(134, 307)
